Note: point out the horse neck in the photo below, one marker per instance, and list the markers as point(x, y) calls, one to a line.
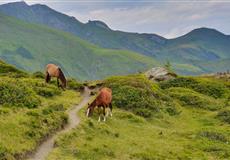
point(93, 104)
point(61, 76)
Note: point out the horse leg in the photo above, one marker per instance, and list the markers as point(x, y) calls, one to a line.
point(99, 119)
point(58, 83)
point(104, 113)
point(107, 113)
point(110, 109)
point(48, 77)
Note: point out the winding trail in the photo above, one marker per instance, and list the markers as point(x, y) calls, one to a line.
point(46, 147)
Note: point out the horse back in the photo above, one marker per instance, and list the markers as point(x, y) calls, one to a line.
point(105, 96)
point(52, 69)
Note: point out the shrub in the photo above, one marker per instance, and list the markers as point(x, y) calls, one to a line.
point(224, 116)
point(74, 84)
point(194, 99)
point(42, 88)
point(18, 94)
point(137, 94)
point(6, 68)
point(143, 112)
point(205, 86)
point(214, 136)
point(47, 92)
point(52, 116)
point(38, 75)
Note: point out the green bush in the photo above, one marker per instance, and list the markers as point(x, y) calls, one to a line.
point(18, 94)
point(202, 85)
point(42, 88)
point(214, 136)
point(137, 94)
point(52, 116)
point(38, 75)
point(146, 113)
point(224, 115)
point(74, 84)
point(194, 99)
point(47, 92)
point(7, 68)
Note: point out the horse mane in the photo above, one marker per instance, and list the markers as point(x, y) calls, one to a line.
point(93, 104)
point(62, 76)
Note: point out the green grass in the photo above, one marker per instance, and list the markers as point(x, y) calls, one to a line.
point(198, 130)
point(31, 47)
point(184, 118)
point(30, 110)
point(137, 94)
point(203, 50)
point(22, 129)
point(127, 136)
point(191, 98)
point(207, 86)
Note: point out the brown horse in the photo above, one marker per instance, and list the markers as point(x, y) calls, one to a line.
point(53, 70)
point(104, 100)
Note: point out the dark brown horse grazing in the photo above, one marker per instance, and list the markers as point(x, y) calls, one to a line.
point(53, 70)
point(104, 100)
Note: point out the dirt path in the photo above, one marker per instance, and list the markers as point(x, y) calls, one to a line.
point(46, 147)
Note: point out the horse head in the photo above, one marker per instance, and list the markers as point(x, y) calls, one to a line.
point(90, 108)
point(62, 78)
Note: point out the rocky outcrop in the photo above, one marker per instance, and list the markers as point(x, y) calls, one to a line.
point(160, 74)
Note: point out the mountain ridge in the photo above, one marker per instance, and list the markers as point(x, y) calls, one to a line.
point(195, 49)
point(32, 46)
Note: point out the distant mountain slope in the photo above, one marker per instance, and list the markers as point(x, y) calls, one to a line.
point(31, 47)
point(193, 53)
point(199, 44)
point(95, 32)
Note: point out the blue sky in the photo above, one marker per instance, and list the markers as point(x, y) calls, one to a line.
point(166, 18)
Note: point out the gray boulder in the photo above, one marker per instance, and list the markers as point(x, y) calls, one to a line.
point(160, 74)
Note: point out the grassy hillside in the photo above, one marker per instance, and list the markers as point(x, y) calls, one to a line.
point(200, 51)
point(31, 47)
point(189, 119)
point(30, 110)
point(96, 32)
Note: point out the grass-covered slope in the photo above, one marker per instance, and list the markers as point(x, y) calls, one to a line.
point(31, 47)
point(96, 32)
point(198, 129)
point(30, 110)
point(193, 53)
point(202, 50)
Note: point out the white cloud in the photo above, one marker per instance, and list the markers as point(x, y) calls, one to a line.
point(168, 19)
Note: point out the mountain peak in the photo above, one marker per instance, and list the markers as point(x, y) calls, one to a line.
point(98, 24)
point(18, 3)
point(205, 31)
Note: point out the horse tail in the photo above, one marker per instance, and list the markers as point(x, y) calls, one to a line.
point(48, 77)
point(62, 76)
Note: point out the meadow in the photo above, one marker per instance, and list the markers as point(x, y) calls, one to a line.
point(184, 118)
point(30, 110)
